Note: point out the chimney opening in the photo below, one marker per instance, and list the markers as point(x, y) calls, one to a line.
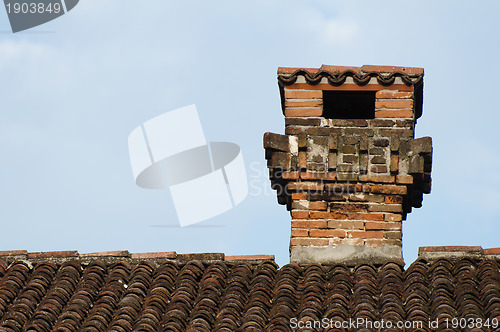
point(349, 104)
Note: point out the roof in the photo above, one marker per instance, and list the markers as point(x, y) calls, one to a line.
point(118, 291)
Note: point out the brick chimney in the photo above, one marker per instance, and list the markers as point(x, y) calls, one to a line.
point(348, 167)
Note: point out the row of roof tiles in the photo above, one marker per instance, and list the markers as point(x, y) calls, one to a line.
point(243, 296)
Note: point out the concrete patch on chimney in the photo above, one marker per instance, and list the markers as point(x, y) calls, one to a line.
point(346, 254)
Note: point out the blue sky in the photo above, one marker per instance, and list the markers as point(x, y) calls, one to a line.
point(74, 88)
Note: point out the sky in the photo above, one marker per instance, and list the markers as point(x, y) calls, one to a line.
point(74, 88)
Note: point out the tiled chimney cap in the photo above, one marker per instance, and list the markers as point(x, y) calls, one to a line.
point(336, 75)
point(367, 77)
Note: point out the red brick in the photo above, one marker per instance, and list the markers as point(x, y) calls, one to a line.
point(290, 175)
point(388, 189)
point(308, 103)
point(318, 205)
point(299, 196)
point(302, 159)
point(366, 234)
point(385, 208)
point(309, 242)
point(345, 224)
point(370, 225)
point(300, 214)
point(393, 217)
point(394, 114)
point(309, 224)
point(394, 104)
point(326, 233)
point(305, 186)
point(303, 112)
point(309, 175)
point(146, 255)
point(299, 232)
point(327, 215)
point(303, 94)
point(388, 94)
point(366, 216)
point(381, 178)
point(393, 199)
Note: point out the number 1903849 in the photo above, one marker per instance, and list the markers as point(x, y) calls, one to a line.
point(33, 8)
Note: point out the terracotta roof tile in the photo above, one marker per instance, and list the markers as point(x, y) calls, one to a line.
point(337, 75)
point(236, 294)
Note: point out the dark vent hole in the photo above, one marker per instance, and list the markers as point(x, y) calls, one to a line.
point(349, 104)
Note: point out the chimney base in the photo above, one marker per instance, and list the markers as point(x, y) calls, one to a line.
point(346, 254)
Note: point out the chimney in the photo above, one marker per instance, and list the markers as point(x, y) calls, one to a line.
point(348, 167)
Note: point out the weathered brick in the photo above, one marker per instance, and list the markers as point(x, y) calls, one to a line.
point(349, 158)
point(320, 131)
point(357, 131)
point(300, 205)
point(388, 189)
point(299, 196)
point(309, 242)
point(345, 224)
point(366, 216)
point(328, 196)
point(327, 176)
point(332, 160)
point(333, 141)
point(394, 104)
point(309, 224)
point(393, 114)
point(299, 232)
point(302, 121)
point(373, 225)
point(385, 208)
point(276, 142)
point(381, 142)
point(390, 94)
point(347, 176)
point(302, 159)
point(293, 130)
point(366, 234)
point(349, 123)
point(281, 159)
point(327, 215)
point(303, 112)
point(382, 123)
point(327, 233)
point(302, 141)
point(378, 160)
point(303, 94)
point(393, 217)
point(393, 235)
point(381, 178)
point(378, 169)
point(393, 199)
point(381, 242)
point(394, 163)
point(349, 207)
point(297, 214)
point(318, 205)
point(307, 103)
point(404, 179)
point(305, 186)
